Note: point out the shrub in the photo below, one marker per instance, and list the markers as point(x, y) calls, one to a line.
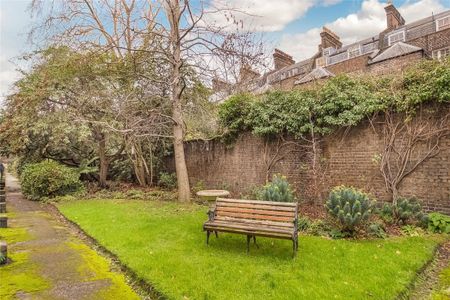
point(320, 228)
point(198, 186)
point(438, 223)
point(405, 211)
point(304, 223)
point(377, 230)
point(350, 207)
point(49, 179)
point(167, 180)
point(411, 230)
point(135, 194)
point(278, 190)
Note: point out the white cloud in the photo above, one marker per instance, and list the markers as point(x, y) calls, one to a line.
point(14, 23)
point(265, 15)
point(367, 22)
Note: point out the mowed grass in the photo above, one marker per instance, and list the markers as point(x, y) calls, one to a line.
point(164, 244)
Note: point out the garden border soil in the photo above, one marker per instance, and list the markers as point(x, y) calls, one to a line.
point(141, 286)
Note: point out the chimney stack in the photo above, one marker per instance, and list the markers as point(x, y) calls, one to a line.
point(329, 39)
point(247, 74)
point(282, 59)
point(393, 17)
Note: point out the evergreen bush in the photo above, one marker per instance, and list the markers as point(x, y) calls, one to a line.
point(167, 180)
point(49, 179)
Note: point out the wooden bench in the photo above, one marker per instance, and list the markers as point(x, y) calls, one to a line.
point(254, 218)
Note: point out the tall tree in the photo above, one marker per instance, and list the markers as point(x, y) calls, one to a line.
point(179, 35)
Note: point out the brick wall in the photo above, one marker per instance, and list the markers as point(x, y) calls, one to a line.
point(356, 64)
point(349, 160)
point(394, 65)
point(434, 41)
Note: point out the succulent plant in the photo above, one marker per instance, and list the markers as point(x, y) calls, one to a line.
point(349, 206)
point(404, 211)
point(278, 190)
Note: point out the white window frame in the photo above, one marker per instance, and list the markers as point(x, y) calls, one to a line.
point(438, 54)
point(328, 51)
point(390, 43)
point(445, 20)
point(355, 49)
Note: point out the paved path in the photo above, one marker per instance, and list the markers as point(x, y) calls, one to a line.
point(62, 265)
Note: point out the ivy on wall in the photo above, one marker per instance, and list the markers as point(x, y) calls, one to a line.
point(339, 102)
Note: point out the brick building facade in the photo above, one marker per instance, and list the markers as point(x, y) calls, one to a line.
point(389, 51)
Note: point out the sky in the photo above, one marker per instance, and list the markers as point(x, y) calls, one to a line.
point(290, 25)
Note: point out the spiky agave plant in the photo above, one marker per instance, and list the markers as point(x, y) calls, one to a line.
point(349, 206)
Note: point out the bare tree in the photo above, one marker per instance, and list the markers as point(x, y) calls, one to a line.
point(408, 143)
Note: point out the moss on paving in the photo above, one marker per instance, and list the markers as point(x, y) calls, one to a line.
point(14, 235)
point(20, 274)
point(164, 244)
point(23, 275)
point(95, 267)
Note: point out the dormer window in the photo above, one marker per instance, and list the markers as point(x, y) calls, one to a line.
point(396, 37)
point(354, 51)
point(443, 23)
point(328, 51)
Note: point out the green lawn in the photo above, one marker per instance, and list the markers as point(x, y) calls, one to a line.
point(164, 243)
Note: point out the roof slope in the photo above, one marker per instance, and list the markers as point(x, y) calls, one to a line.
point(314, 74)
point(398, 49)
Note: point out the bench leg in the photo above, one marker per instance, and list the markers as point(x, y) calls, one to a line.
point(254, 241)
point(294, 247)
point(216, 234)
point(207, 236)
point(248, 243)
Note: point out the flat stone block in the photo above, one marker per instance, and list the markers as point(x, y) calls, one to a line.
point(3, 252)
point(2, 207)
point(3, 222)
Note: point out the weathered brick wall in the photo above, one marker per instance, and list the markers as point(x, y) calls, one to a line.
point(394, 65)
point(356, 64)
point(349, 160)
point(434, 41)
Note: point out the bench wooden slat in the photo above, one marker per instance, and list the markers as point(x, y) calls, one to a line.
point(256, 211)
point(249, 205)
point(288, 204)
point(257, 222)
point(218, 224)
point(253, 216)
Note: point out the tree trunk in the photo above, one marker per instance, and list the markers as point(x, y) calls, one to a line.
point(173, 14)
point(180, 164)
point(103, 164)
